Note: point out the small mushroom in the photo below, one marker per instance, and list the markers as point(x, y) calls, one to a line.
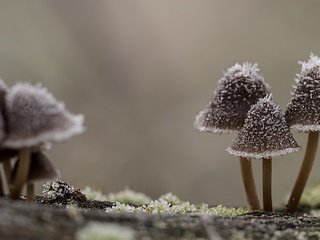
point(240, 87)
point(264, 135)
point(41, 168)
point(303, 114)
point(34, 118)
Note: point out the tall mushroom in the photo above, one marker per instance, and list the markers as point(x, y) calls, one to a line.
point(303, 114)
point(35, 117)
point(264, 135)
point(240, 87)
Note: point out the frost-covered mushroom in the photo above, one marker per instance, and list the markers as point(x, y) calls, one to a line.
point(264, 135)
point(35, 117)
point(240, 87)
point(303, 114)
point(41, 168)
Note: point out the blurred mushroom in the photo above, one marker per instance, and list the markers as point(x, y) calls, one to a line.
point(34, 118)
point(264, 135)
point(41, 169)
point(4, 158)
point(239, 88)
point(303, 114)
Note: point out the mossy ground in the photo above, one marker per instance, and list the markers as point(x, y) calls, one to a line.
point(61, 207)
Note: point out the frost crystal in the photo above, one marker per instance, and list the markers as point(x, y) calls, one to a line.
point(239, 88)
point(265, 133)
point(57, 189)
point(303, 112)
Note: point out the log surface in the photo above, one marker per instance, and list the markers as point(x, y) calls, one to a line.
point(20, 220)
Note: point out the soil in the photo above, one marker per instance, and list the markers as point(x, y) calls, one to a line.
point(48, 218)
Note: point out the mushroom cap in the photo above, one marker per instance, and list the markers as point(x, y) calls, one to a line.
point(303, 112)
point(239, 88)
point(265, 133)
point(41, 168)
point(3, 92)
point(35, 117)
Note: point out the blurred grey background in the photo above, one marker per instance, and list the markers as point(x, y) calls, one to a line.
point(140, 71)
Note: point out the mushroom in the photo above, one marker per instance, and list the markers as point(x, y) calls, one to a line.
point(240, 87)
point(34, 118)
point(41, 168)
point(264, 135)
point(5, 155)
point(303, 114)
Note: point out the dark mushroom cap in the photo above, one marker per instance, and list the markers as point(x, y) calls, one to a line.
point(35, 117)
point(265, 133)
point(41, 168)
point(303, 111)
point(239, 88)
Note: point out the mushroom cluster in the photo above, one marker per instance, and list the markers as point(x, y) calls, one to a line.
point(240, 87)
point(31, 120)
point(263, 130)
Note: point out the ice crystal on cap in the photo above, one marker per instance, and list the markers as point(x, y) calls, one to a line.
point(239, 88)
point(303, 112)
point(265, 133)
point(35, 117)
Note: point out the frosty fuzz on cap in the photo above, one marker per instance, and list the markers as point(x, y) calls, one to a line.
point(265, 133)
point(303, 111)
point(35, 117)
point(239, 88)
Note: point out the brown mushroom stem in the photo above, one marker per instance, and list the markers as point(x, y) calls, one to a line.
point(30, 191)
point(248, 182)
point(267, 182)
point(1, 186)
point(7, 170)
point(22, 172)
point(304, 173)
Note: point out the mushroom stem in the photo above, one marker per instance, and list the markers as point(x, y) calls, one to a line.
point(304, 173)
point(267, 180)
point(22, 172)
point(7, 170)
point(248, 182)
point(30, 191)
point(1, 186)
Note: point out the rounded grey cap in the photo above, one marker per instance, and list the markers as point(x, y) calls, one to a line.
point(35, 117)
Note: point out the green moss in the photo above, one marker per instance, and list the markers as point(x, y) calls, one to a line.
point(130, 201)
point(162, 206)
point(222, 211)
point(92, 194)
point(128, 196)
point(105, 231)
point(311, 197)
